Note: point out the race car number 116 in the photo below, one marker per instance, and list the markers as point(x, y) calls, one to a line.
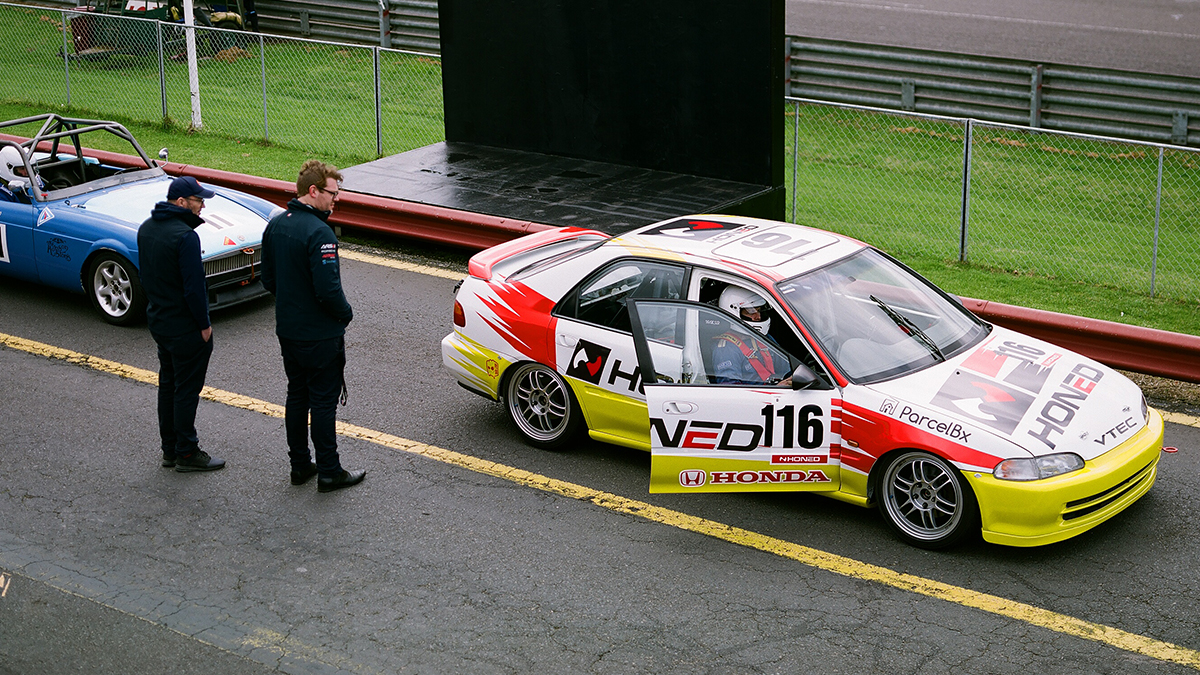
point(804, 428)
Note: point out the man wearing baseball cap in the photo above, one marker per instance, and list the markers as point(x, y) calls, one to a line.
point(177, 312)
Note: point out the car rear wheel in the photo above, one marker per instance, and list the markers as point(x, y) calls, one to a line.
point(927, 501)
point(115, 289)
point(542, 406)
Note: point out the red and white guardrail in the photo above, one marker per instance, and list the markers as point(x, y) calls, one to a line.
point(1144, 350)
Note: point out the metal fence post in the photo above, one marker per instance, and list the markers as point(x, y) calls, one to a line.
point(1035, 96)
point(966, 192)
point(262, 62)
point(795, 153)
point(1157, 211)
point(385, 24)
point(378, 107)
point(162, 73)
point(66, 58)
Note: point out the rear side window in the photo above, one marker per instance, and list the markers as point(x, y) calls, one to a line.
point(600, 298)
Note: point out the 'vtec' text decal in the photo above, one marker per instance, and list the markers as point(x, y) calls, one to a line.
point(1059, 411)
point(802, 428)
point(698, 477)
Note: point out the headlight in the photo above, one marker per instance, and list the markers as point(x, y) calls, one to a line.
point(1036, 468)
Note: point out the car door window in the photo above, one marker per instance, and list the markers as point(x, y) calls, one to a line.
point(695, 344)
point(600, 299)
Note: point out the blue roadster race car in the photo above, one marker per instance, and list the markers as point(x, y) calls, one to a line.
point(70, 221)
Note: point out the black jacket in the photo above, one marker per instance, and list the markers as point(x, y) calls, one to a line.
point(300, 267)
point(171, 272)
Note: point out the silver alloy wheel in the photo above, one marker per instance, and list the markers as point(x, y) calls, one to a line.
point(539, 403)
point(924, 498)
point(112, 288)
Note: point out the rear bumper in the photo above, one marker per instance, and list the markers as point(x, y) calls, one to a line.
point(476, 367)
point(1041, 512)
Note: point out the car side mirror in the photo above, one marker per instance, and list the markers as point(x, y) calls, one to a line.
point(803, 377)
point(162, 154)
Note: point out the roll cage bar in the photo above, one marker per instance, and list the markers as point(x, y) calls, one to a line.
point(50, 138)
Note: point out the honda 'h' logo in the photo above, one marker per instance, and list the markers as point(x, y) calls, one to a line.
point(692, 478)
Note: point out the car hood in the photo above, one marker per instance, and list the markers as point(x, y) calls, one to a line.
point(1040, 397)
point(227, 226)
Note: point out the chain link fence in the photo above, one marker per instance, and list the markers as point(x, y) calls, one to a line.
point(1076, 208)
point(325, 98)
point(1072, 207)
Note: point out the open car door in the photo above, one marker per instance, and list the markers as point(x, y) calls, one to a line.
point(711, 432)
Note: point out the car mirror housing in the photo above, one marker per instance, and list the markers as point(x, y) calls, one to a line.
point(803, 377)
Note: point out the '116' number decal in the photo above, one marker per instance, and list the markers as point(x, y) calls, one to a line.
point(805, 428)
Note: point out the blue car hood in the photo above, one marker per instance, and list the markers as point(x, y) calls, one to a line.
point(228, 226)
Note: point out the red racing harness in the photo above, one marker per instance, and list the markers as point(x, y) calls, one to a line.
point(758, 355)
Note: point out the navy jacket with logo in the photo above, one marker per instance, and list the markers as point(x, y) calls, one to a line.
point(171, 271)
point(300, 267)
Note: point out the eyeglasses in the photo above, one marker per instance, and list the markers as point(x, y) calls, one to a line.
point(333, 193)
point(199, 199)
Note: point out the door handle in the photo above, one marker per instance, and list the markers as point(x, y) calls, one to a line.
point(678, 407)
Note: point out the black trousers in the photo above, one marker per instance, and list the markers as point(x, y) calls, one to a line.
point(315, 372)
point(182, 367)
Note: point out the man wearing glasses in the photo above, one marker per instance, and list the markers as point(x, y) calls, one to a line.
point(300, 268)
point(177, 312)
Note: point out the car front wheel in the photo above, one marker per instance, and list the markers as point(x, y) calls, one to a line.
point(927, 501)
point(542, 406)
point(115, 289)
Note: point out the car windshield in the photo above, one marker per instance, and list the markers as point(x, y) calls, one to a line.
point(876, 319)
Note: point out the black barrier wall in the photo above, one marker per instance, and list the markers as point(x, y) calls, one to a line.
point(685, 86)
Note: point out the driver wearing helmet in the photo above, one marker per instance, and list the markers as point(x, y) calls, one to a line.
point(12, 168)
point(739, 359)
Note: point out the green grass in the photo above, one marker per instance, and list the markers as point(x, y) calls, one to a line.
point(319, 98)
point(1056, 223)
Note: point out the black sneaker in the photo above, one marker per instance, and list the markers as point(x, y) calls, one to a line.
point(343, 480)
point(198, 461)
point(304, 475)
point(168, 460)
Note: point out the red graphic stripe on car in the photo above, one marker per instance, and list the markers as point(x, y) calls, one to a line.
point(521, 316)
point(886, 433)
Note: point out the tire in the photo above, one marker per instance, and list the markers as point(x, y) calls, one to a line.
point(542, 406)
point(926, 501)
point(116, 292)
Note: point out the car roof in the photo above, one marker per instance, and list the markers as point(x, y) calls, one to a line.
point(770, 249)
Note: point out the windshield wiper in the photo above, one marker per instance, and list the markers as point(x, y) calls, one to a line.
point(910, 328)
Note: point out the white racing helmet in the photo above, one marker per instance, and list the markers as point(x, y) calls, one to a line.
point(742, 302)
point(10, 161)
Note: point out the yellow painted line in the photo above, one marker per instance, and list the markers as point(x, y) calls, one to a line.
point(400, 264)
point(1180, 418)
point(848, 567)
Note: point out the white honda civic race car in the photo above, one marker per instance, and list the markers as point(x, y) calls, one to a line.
point(751, 355)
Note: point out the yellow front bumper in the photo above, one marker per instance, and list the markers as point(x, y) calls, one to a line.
point(1034, 513)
